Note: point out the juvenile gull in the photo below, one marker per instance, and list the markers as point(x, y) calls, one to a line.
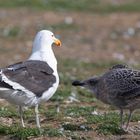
point(120, 86)
point(35, 80)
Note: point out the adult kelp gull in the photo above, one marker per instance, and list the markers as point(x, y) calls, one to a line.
point(120, 86)
point(35, 80)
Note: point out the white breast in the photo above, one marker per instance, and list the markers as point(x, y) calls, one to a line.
point(49, 93)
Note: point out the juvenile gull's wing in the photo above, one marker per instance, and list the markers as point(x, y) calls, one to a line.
point(125, 83)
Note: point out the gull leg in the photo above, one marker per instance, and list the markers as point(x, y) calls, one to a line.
point(58, 107)
point(21, 116)
point(129, 117)
point(121, 118)
point(37, 116)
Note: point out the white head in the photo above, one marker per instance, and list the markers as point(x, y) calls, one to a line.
point(45, 39)
point(42, 48)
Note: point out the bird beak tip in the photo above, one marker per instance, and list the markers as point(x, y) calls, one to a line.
point(57, 42)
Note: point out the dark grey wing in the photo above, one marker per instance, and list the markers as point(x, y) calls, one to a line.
point(125, 83)
point(35, 76)
point(40, 65)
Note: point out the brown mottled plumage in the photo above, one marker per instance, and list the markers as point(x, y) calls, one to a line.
point(120, 86)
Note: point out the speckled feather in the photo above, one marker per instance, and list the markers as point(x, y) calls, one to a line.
point(123, 87)
point(119, 86)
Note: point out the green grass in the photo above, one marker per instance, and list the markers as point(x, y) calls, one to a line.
point(23, 133)
point(105, 118)
point(7, 112)
point(77, 111)
point(106, 124)
point(75, 127)
point(73, 5)
point(109, 129)
point(18, 132)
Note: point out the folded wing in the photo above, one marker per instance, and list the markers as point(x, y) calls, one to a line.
point(35, 76)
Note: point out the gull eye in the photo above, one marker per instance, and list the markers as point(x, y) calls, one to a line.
point(52, 35)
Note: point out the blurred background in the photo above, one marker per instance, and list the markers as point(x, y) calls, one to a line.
point(95, 35)
point(97, 31)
